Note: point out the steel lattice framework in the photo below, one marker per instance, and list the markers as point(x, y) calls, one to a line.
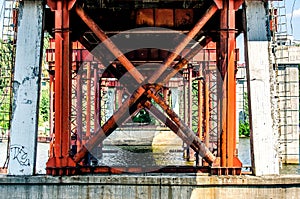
point(200, 23)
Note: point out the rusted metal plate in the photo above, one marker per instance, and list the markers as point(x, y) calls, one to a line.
point(226, 171)
point(184, 17)
point(145, 17)
point(164, 17)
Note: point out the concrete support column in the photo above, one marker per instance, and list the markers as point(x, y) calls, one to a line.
point(264, 155)
point(26, 89)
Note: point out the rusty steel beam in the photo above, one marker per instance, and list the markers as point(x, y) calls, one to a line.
point(61, 158)
point(207, 108)
point(190, 107)
point(198, 26)
point(200, 105)
point(111, 123)
point(126, 63)
point(109, 44)
point(202, 149)
point(190, 139)
point(227, 68)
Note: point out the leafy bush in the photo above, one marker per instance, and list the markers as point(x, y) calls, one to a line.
point(244, 129)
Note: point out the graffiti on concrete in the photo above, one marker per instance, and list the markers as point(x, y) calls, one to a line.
point(19, 153)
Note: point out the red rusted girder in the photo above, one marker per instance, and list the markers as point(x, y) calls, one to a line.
point(109, 44)
point(226, 65)
point(207, 107)
point(111, 124)
point(190, 156)
point(62, 106)
point(200, 104)
point(119, 115)
point(187, 136)
point(201, 149)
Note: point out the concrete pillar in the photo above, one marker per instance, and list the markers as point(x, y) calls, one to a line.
point(264, 153)
point(26, 88)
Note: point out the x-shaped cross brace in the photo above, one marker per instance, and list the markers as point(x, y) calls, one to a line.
point(140, 97)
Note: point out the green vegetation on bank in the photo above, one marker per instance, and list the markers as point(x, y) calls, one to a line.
point(244, 127)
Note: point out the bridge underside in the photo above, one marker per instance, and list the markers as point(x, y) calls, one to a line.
point(141, 47)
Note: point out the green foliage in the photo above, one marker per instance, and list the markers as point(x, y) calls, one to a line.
point(4, 113)
point(44, 106)
point(142, 117)
point(244, 127)
point(6, 54)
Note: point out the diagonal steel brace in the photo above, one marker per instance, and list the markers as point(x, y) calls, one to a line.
point(110, 125)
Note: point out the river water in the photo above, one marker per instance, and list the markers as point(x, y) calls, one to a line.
point(116, 156)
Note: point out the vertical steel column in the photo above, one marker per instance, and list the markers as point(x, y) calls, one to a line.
point(51, 117)
point(185, 112)
point(96, 100)
point(191, 156)
point(62, 88)
point(200, 111)
point(88, 101)
point(219, 82)
point(227, 67)
point(207, 108)
point(62, 85)
point(97, 111)
point(100, 102)
point(200, 104)
point(79, 110)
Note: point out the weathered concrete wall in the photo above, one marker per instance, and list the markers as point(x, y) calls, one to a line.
point(288, 78)
point(264, 141)
point(288, 54)
point(26, 88)
point(288, 60)
point(171, 186)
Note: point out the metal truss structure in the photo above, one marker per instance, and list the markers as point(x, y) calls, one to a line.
point(200, 23)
